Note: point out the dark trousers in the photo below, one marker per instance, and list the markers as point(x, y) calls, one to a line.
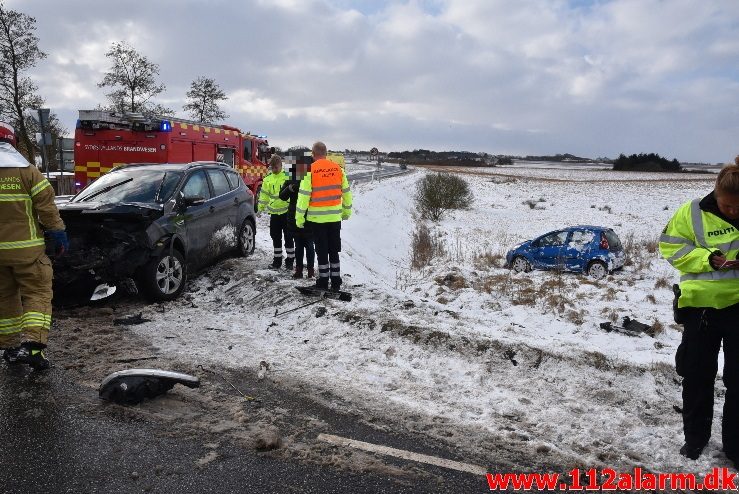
point(327, 237)
point(696, 361)
point(304, 242)
point(278, 228)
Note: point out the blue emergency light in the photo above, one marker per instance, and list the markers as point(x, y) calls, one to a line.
point(165, 126)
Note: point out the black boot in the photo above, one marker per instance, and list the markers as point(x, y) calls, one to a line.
point(322, 283)
point(311, 272)
point(298, 274)
point(690, 451)
point(276, 263)
point(10, 355)
point(289, 263)
point(33, 355)
point(335, 283)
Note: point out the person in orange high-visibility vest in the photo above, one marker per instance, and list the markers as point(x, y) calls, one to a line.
point(26, 209)
point(324, 200)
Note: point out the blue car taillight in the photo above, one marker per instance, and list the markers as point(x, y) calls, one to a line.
point(603, 241)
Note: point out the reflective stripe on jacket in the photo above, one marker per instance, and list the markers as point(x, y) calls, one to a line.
point(26, 203)
point(324, 195)
point(269, 197)
point(687, 242)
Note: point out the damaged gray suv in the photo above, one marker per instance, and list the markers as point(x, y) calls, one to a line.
point(145, 226)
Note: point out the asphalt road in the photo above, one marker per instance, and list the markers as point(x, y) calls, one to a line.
point(52, 443)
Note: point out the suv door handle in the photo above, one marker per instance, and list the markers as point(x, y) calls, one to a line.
point(236, 201)
point(212, 209)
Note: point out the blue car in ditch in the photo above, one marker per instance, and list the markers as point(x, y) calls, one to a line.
point(593, 250)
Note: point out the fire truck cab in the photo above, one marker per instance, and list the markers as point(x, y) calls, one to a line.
point(104, 140)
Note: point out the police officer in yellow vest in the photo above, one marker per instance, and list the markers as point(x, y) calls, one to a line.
point(702, 242)
point(26, 204)
point(324, 200)
point(269, 200)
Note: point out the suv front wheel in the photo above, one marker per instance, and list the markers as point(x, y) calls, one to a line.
point(163, 278)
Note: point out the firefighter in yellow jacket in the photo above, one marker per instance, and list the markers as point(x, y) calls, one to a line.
point(702, 242)
point(26, 209)
point(324, 200)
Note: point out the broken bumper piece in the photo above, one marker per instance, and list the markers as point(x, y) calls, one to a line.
point(130, 387)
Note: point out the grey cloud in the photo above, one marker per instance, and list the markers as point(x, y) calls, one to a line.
point(528, 77)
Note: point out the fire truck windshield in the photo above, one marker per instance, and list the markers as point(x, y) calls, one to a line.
point(131, 186)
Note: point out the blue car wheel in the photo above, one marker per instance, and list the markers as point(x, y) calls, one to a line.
point(520, 264)
point(597, 270)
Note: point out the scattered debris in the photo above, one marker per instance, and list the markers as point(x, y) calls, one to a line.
point(132, 359)
point(321, 311)
point(131, 320)
point(246, 397)
point(130, 387)
point(296, 308)
point(630, 327)
point(263, 368)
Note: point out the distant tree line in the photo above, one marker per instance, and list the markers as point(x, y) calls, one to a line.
point(557, 157)
point(649, 162)
point(445, 158)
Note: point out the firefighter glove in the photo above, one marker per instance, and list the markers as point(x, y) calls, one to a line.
point(61, 242)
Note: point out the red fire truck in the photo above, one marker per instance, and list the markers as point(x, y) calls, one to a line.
point(105, 139)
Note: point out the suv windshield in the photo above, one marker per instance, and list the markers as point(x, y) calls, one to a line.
point(145, 186)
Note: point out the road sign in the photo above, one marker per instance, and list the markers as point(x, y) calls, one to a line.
point(374, 152)
point(66, 154)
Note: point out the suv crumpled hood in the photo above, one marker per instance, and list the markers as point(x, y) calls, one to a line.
point(111, 241)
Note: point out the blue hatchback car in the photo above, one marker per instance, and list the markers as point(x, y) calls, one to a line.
point(594, 250)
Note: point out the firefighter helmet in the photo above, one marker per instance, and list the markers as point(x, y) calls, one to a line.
point(7, 133)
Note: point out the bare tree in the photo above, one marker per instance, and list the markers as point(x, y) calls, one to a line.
point(134, 81)
point(19, 52)
point(203, 98)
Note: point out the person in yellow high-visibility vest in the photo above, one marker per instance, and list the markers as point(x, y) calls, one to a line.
point(269, 200)
point(324, 200)
point(26, 205)
point(701, 241)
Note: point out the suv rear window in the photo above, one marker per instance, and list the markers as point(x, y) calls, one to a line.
point(233, 180)
point(614, 243)
point(219, 182)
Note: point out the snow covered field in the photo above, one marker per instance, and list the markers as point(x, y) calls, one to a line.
point(511, 368)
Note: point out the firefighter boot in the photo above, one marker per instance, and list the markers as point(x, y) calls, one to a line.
point(289, 263)
point(10, 355)
point(33, 355)
point(311, 272)
point(276, 263)
point(298, 274)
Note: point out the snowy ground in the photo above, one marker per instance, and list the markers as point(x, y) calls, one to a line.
point(511, 368)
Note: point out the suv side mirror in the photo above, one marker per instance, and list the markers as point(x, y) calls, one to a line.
point(185, 202)
point(192, 201)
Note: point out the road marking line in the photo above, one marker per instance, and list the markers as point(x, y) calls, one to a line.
point(406, 455)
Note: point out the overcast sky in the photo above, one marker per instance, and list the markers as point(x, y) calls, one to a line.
point(588, 77)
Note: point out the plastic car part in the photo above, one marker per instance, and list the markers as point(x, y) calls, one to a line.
point(103, 291)
point(132, 386)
